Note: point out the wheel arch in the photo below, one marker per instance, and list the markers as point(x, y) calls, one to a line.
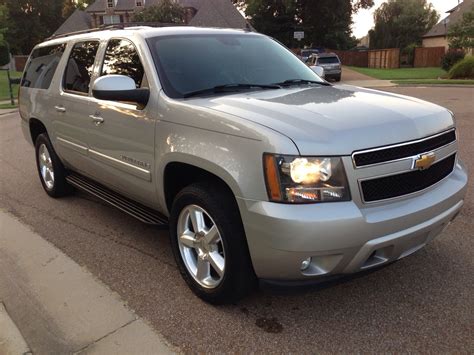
point(36, 128)
point(184, 170)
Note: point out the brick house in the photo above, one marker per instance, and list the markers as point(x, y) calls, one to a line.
point(204, 13)
point(437, 36)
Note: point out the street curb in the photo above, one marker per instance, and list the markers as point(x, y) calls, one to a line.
point(9, 111)
point(59, 306)
point(434, 86)
point(11, 340)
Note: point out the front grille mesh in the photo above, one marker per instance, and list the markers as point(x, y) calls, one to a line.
point(406, 183)
point(403, 151)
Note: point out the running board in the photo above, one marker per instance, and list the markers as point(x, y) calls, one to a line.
point(135, 209)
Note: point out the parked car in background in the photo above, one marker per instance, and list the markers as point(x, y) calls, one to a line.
point(306, 53)
point(330, 62)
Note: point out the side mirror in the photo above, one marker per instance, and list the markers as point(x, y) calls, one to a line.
point(318, 70)
point(119, 88)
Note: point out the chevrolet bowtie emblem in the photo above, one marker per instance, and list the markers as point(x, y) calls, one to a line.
point(424, 161)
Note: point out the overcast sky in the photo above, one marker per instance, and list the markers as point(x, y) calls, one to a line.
point(364, 20)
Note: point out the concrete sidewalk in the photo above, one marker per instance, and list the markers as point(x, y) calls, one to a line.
point(54, 306)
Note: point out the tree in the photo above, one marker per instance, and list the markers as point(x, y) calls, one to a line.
point(3, 21)
point(325, 22)
point(71, 5)
point(30, 22)
point(400, 23)
point(328, 22)
point(273, 17)
point(4, 53)
point(461, 34)
point(167, 11)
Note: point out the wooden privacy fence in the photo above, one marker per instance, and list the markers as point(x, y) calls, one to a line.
point(352, 58)
point(428, 56)
point(384, 58)
point(20, 62)
point(379, 58)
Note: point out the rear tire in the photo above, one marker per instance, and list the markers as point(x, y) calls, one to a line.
point(50, 169)
point(209, 244)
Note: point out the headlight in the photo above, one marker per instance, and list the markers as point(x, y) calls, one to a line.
point(293, 179)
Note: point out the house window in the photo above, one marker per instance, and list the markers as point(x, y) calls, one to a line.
point(139, 3)
point(110, 3)
point(111, 19)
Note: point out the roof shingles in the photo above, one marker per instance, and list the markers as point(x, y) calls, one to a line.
point(210, 13)
point(78, 21)
point(456, 14)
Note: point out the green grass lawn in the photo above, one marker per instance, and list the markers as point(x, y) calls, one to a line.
point(4, 92)
point(435, 82)
point(402, 73)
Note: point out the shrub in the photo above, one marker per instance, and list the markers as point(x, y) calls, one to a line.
point(409, 53)
point(451, 58)
point(4, 53)
point(463, 69)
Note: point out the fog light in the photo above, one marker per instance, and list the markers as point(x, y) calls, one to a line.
point(305, 264)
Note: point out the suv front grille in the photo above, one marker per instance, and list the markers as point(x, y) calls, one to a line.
point(403, 151)
point(406, 183)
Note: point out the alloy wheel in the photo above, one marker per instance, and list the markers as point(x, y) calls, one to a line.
point(201, 246)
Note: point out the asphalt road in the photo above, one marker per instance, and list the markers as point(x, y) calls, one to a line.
point(422, 303)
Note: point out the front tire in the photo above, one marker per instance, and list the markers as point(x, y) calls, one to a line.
point(50, 169)
point(209, 244)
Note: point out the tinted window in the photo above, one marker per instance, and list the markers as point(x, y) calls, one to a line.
point(79, 67)
point(122, 58)
point(328, 60)
point(196, 62)
point(41, 66)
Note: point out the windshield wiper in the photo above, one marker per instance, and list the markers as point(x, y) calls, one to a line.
point(301, 81)
point(230, 88)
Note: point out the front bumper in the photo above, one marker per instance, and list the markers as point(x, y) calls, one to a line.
point(345, 237)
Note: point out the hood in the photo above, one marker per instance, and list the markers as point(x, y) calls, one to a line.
point(335, 120)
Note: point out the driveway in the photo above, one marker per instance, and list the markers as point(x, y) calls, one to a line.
point(423, 303)
point(351, 77)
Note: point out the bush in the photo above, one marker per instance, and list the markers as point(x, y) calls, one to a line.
point(463, 69)
point(409, 54)
point(4, 53)
point(451, 58)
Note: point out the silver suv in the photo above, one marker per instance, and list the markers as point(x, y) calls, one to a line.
point(261, 169)
point(330, 62)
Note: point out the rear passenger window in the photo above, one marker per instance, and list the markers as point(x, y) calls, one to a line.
point(41, 66)
point(122, 58)
point(79, 68)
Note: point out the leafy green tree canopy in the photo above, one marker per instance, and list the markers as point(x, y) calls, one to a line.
point(167, 11)
point(325, 22)
point(3, 21)
point(30, 22)
point(461, 34)
point(4, 53)
point(399, 23)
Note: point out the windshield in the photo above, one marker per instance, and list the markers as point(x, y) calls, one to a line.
point(328, 60)
point(192, 63)
point(307, 53)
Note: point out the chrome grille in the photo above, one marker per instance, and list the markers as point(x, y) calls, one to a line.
point(402, 150)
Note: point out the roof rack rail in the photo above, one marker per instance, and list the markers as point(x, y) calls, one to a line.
point(119, 26)
point(101, 28)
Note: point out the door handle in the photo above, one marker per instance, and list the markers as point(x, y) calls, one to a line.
point(97, 119)
point(60, 109)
